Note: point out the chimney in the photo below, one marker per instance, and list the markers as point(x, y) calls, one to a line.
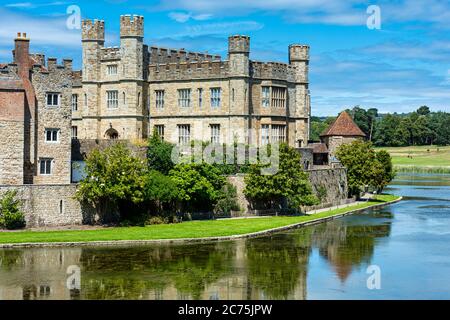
point(22, 54)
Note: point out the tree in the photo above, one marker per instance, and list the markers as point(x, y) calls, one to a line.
point(11, 217)
point(112, 176)
point(423, 111)
point(290, 182)
point(365, 167)
point(160, 190)
point(159, 154)
point(199, 185)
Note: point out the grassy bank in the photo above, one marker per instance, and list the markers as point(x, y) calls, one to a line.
point(192, 229)
point(422, 159)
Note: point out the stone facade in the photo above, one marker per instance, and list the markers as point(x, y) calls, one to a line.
point(49, 205)
point(219, 100)
point(35, 118)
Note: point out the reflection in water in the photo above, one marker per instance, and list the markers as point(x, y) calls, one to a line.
point(408, 240)
point(261, 268)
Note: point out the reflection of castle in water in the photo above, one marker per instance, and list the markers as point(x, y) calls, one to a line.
point(263, 268)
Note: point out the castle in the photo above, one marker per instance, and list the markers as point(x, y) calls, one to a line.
point(48, 110)
point(127, 92)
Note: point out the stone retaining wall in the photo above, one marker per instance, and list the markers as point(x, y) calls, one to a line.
point(332, 182)
point(49, 205)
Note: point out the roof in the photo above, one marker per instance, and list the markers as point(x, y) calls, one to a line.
point(343, 126)
point(319, 147)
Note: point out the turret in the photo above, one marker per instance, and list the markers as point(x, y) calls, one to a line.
point(299, 58)
point(132, 47)
point(238, 55)
point(93, 39)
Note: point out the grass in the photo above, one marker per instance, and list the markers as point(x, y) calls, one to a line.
point(192, 229)
point(426, 159)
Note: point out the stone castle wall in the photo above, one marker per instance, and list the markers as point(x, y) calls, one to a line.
point(49, 205)
point(333, 180)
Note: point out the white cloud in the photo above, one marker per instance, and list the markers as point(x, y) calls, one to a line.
point(48, 31)
point(223, 28)
point(28, 5)
point(351, 12)
point(183, 17)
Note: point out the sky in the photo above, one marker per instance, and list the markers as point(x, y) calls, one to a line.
point(394, 56)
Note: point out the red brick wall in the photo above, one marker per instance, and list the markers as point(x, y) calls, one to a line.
point(12, 105)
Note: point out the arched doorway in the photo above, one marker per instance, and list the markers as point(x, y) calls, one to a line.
point(112, 133)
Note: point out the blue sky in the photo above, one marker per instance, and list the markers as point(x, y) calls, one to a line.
point(397, 68)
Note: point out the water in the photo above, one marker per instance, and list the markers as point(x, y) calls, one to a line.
point(408, 241)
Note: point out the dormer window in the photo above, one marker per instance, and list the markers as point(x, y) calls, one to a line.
point(53, 100)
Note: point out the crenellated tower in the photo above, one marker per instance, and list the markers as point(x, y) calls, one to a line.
point(93, 40)
point(238, 55)
point(132, 46)
point(299, 58)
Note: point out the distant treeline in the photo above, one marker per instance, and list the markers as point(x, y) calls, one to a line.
point(421, 127)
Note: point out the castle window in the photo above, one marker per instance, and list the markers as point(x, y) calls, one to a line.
point(159, 129)
point(85, 99)
point(184, 98)
point(45, 166)
point(278, 133)
point(74, 132)
point(53, 99)
point(265, 129)
point(215, 97)
point(124, 98)
point(112, 99)
point(184, 133)
point(278, 97)
point(232, 95)
point(112, 69)
point(74, 102)
point(265, 96)
point(51, 135)
point(61, 206)
point(215, 133)
point(159, 98)
point(200, 97)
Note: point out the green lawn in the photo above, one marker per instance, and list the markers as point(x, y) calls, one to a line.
point(192, 229)
point(420, 156)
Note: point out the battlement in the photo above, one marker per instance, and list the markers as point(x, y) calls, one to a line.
point(238, 44)
point(52, 65)
point(110, 53)
point(160, 55)
point(298, 52)
point(38, 58)
point(93, 30)
point(188, 70)
point(131, 26)
point(273, 70)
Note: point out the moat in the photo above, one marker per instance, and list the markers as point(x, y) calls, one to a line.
point(408, 241)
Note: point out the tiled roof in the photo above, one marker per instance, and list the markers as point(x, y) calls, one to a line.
point(319, 147)
point(343, 126)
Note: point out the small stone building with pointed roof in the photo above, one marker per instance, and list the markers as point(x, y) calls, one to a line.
point(342, 131)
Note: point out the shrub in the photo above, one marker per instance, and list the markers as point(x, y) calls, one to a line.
point(228, 201)
point(11, 217)
point(156, 220)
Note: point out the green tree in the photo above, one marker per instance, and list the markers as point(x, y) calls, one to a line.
point(199, 185)
point(113, 176)
point(365, 168)
point(11, 217)
point(160, 190)
point(159, 154)
point(290, 182)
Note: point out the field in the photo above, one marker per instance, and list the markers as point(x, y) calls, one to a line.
point(192, 229)
point(421, 158)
